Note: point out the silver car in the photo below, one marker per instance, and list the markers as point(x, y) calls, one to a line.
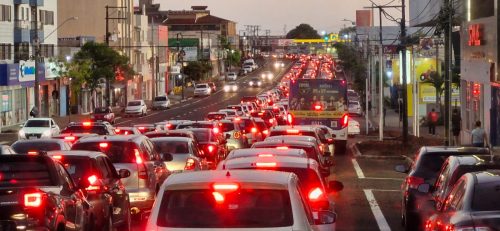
point(202, 89)
point(234, 136)
point(161, 102)
point(137, 154)
point(185, 153)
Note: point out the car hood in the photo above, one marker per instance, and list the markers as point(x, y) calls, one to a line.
point(133, 108)
point(34, 129)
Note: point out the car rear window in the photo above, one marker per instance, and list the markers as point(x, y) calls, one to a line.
point(134, 103)
point(244, 208)
point(486, 197)
point(216, 116)
point(227, 127)
point(100, 110)
point(202, 86)
point(160, 98)
point(196, 125)
point(25, 172)
point(246, 125)
point(429, 166)
point(78, 167)
point(117, 151)
point(310, 151)
point(24, 147)
point(204, 136)
point(261, 125)
point(171, 146)
point(37, 123)
point(97, 129)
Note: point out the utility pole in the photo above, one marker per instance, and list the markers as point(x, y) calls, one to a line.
point(403, 61)
point(447, 67)
point(108, 82)
point(37, 57)
point(153, 59)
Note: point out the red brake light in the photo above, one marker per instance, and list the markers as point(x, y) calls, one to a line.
point(225, 186)
point(317, 107)
point(103, 145)
point(58, 157)
point(237, 119)
point(266, 164)
point(266, 132)
point(216, 130)
point(253, 130)
point(141, 128)
point(315, 194)
point(210, 148)
point(125, 133)
point(117, 130)
point(32, 153)
point(265, 155)
point(413, 182)
point(33, 199)
point(344, 121)
point(138, 158)
point(168, 126)
point(271, 120)
point(219, 198)
point(92, 179)
point(86, 124)
point(294, 131)
point(282, 148)
point(290, 118)
point(190, 165)
point(70, 138)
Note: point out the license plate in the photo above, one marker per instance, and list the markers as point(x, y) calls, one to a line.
point(32, 137)
point(333, 124)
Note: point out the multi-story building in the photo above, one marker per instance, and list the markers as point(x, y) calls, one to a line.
point(24, 24)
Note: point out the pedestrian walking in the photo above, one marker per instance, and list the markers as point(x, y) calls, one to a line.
point(432, 119)
point(456, 125)
point(478, 136)
point(34, 112)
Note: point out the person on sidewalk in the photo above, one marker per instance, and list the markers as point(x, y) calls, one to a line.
point(456, 123)
point(34, 112)
point(478, 136)
point(432, 119)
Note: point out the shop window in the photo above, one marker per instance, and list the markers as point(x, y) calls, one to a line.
point(6, 101)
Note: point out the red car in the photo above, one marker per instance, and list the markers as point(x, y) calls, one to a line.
point(103, 114)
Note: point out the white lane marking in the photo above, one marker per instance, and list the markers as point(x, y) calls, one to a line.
point(358, 170)
point(383, 178)
point(377, 212)
point(125, 121)
point(385, 190)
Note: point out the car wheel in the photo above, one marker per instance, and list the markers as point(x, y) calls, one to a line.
point(108, 224)
point(127, 223)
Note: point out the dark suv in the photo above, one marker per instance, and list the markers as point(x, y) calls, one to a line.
point(100, 128)
point(425, 169)
point(135, 153)
point(110, 205)
point(37, 193)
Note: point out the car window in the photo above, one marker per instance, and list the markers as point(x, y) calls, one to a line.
point(485, 197)
point(24, 172)
point(429, 165)
point(37, 123)
point(65, 177)
point(227, 127)
point(171, 146)
point(134, 103)
point(146, 151)
point(244, 208)
point(442, 180)
point(111, 168)
point(117, 151)
point(455, 196)
point(25, 147)
point(103, 168)
point(77, 167)
point(160, 98)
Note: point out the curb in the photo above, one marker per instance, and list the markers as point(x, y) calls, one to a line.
point(355, 151)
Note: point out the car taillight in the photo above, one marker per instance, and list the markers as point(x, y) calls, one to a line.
point(86, 124)
point(32, 153)
point(292, 131)
point(289, 118)
point(117, 131)
point(190, 164)
point(215, 130)
point(271, 120)
point(168, 126)
point(211, 149)
point(315, 194)
point(266, 164)
point(265, 132)
point(413, 181)
point(103, 145)
point(265, 155)
point(344, 121)
point(33, 200)
point(70, 138)
point(225, 186)
point(282, 148)
point(253, 130)
point(138, 158)
point(141, 129)
point(92, 179)
point(58, 157)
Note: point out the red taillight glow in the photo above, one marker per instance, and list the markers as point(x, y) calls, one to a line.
point(190, 164)
point(210, 148)
point(138, 158)
point(141, 128)
point(70, 138)
point(117, 130)
point(293, 131)
point(225, 186)
point(290, 118)
point(315, 194)
point(32, 200)
point(58, 157)
point(86, 124)
point(265, 155)
point(92, 179)
point(219, 198)
point(168, 126)
point(271, 120)
point(413, 182)
point(253, 130)
point(103, 145)
point(282, 148)
point(266, 164)
point(216, 130)
point(266, 132)
point(317, 107)
point(32, 153)
point(237, 119)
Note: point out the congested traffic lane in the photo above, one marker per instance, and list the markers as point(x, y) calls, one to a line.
point(197, 108)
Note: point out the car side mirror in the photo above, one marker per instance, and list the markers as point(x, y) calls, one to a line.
point(424, 188)
point(124, 173)
point(167, 157)
point(401, 168)
point(228, 136)
point(326, 217)
point(335, 186)
point(327, 153)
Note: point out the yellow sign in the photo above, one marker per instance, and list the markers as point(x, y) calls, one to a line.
point(318, 114)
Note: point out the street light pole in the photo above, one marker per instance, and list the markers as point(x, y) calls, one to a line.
point(108, 82)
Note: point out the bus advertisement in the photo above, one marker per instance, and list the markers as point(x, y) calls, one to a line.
point(321, 102)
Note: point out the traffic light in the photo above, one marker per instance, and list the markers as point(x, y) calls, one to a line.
point(326, 38)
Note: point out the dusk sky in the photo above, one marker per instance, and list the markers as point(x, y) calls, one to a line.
point(276, 15)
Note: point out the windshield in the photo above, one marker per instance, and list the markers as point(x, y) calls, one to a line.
point(37, 123)
point(24, 147)
point(202, 86)
point(170, 146)
point(134, 103)
point(100, 130)
point(117, 151)
point(244, 208)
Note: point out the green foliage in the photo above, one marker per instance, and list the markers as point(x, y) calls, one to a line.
point(224, 43)
point(348, 30)
point(303, 31)
point(197, 69)
point(353, 65)
point(437, 81)
point(234, 58)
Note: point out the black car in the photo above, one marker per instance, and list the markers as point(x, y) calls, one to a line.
point(212, 144)
point(100, 128)
point(473, 204)
point(37, 193)
point(425, 169)
point(110, 205)
point(34, 147)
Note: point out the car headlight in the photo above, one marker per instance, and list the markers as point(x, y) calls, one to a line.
point(22, 134)
point(259, 83)
point(46, 133)
point(235, 88)
point(226, 88)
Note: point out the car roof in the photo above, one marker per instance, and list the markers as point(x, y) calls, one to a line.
point(132, 137)
point(48, 140)
point(256, 151)
point(300, 128)
point(172, 138)
point(292, 137)
point(286, 142)
point(204, 179)
point(281, 161)
point(90, 154)
point(489, 176)
point(144, 125)
point(441, 149)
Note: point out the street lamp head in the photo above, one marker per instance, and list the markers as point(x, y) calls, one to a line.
point(68, 58)
point(74, 18)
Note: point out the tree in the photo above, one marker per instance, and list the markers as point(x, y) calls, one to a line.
point(303, 31)
point(233, 58)
point(196, 70)
point(353, 65)
point(437, 81)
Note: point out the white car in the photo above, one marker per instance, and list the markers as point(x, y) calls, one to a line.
point(161, 102)
point(136, 108)
point(234, 200)
point(231, 76)
point(248, 68)
point(255, 82)
point(202, 89)
point(267, 75)
point(279, 64)
point(231, 87)
point(355, 108)
point(353, 128)
point(36, 128)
